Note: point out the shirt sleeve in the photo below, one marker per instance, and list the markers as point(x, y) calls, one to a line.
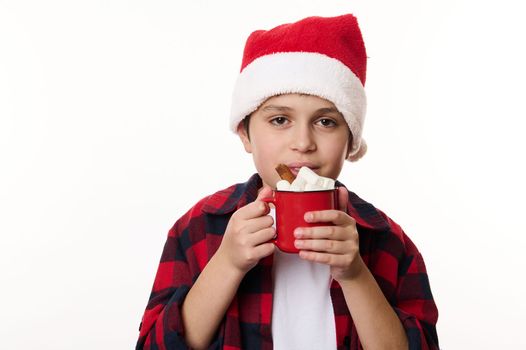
point(413, 301)
point(401, 273)
point(415, 305)
point(161, 326)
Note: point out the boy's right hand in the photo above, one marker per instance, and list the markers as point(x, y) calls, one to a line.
point(248, 234)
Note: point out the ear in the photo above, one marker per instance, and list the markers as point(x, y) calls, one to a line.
point(243, 136)
point(349, 146)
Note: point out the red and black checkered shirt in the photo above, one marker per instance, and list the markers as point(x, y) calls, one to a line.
point(392, 258)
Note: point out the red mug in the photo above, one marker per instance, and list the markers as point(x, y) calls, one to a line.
point(290, 210)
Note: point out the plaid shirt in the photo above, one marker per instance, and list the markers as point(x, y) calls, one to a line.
point(392, 258)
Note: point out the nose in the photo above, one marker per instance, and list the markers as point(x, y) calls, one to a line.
point(303, 139)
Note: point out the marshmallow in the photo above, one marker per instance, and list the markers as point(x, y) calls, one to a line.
point(325, 183)
point(308, 175)
point(315, 187)
point(306, 180)
point(283, 185)
point(298, 184)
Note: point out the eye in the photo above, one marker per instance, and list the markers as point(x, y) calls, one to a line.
point(326, 122)
point(279, 120)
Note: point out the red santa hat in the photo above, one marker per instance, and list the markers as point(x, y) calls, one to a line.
point(321, 56)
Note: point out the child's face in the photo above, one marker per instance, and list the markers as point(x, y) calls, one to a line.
point(296, 130)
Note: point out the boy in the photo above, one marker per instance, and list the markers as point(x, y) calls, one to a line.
point(299, 100)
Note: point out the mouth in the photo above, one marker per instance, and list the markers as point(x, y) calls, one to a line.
point(295, 167)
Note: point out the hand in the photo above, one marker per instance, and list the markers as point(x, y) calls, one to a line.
point(336, 246)
point(247, 236)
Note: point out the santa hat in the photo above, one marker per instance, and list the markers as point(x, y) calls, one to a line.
point(321, 56)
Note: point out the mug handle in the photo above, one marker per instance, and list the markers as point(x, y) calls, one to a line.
point(273, 201)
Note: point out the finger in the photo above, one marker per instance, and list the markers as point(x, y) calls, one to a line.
point(256, 224)
point(337, 217)
point(258, 207)
point(252, 210)
point(323, 258)
point(343, 198)
point(265, 192)
point(323, 245)
point(335, 260)
point(262, 236)
point(264, 250)
point(322, 232)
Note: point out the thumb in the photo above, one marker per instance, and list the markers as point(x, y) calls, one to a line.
point(343, 198)
point(265, 192)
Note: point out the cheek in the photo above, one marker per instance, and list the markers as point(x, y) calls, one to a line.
point(266, 145)
point(335, 154)
point(267, 152)
point(337, 148)
point(266, 155)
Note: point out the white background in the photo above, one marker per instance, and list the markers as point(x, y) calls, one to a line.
point(113, 121)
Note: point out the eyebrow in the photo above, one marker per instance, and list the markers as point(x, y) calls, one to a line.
point(288, 109)
point(328, 110)
point(276, 108)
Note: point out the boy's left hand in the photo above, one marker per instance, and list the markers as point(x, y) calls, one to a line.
point(336, 246)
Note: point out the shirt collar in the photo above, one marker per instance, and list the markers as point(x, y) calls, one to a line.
point(366, 215)
point(234, 197)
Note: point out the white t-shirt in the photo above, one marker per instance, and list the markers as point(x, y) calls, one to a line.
point(302, 312)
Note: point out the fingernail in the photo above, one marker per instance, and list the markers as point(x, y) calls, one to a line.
point(308, 217)
point(298, 244)
point(298, 232)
